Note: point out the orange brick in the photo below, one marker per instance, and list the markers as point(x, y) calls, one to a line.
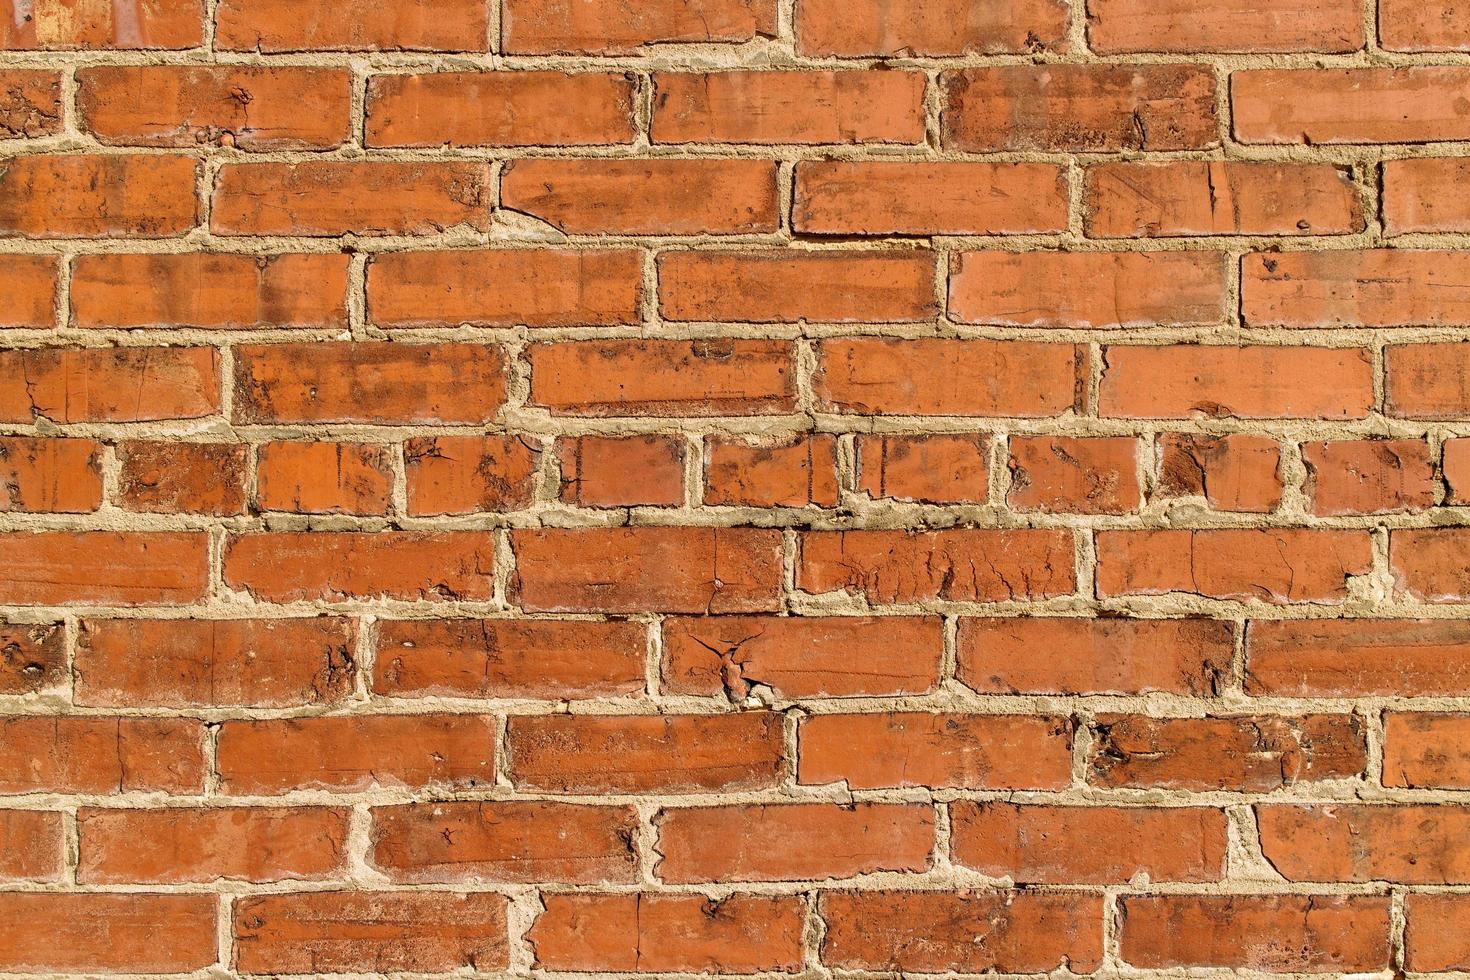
point(1232, 473)
point(31, 846)
point(1414, 197)
point(469, 474)
point(50, 476)
point(798, 657)
point(182, 477)
point(119, 384)
point(885, 28)
point(107, 933)
point(85, 196)
point(323, 477)
point(353, 25)
point(499, 108)
point(1426, 750)
point(1342, 842)
point(602, 471)
point(766, 107)
point(1189, 26)
point(1080, 108)
point(1370, 476)
point(1427, 381)
point(32, 657)
point(30, 102)
point(875, 751)
point(108, 24)
point(1434, 935)
point(1429, 564)
point(1276, 565)
point(931, 469)
point(867, 198)
point(1386, 288)
point(1074, 475)
point(64, 568)
point(798, 471)
point(1457, 470)
point(186, 663)
point(292, 566)
point(75, 754)
point(611, 27)
point(880, 376)
point(248, 108)
point(1349, 105)
point(1153, 200)
point(29, 282)
point(1438, 25)
point(1088, 289)
point(1358, 658)
point(209, 291)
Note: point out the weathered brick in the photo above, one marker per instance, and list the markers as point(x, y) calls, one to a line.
point(1232, 473)
point(1370, 476)
point(323, 477)
point(927, 469)
point(1346, 842)
point(100, 26)
point(67, 568)
point(1358, 658)
point(1319, 106)
point(1074, 475)
point(469, 474)
point(98, 932)
point(108, 384)
point(182, 477)
point(87, 196)
point(352, 25)
point(771, 472)
point(1426, 750)
point(606, 471)
point(77, 754)
point(1188, 26)
point(31, 846)
point(292, 566)
point(611, 27)
point(50, 476)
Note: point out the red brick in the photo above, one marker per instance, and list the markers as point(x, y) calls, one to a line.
point(188, 663)
point(347, 754)
point(1247, 753)
point(929, 27)
point(928, 469)
point(469, 474)
point(102, 933)
point(647, 569)
point(1094, 656)
point(292, 566)
point(932, 376)
point(866, 198)
point(75, 754)
point(499, 108)
point(1153, 200)
point(797, 657)
point(1080, 108)
point(1232, 473)
point(695, 378)
point(499, 658)
point(50, 476)
point(606, 471)
point(874, 751)
point(361, 198)
point(1344, 842)
point(1088, 289)
point(31, 846)
point(352, 25)
point(644, 197)
point(89, 196)
point(1457, 470)
point(1430, 564)
point(1278, 565)
point(652, 933)
point(590, 754)
point(209, 105)
point(612, 27)
point(1438, 25)
point(767, 107)
point(1435, 937)
point(108, 384)
point(1074, 475)
point(30, 102)
point(174, 846)
point(791, 842)
point(1243, 382)
point(1369, 476)
point(371, 383)
point(505, 287)
point(1358, 658)
point(370, 932)
point(1097, 845)
point(181, 477)
point(985, 565)
point(323, 477)
point(68, 568)
point(1349, 105)
point(32, 657)
point(1426, 750)
point(962, 931)
point(1190, 26)
point(210, 291)
point(1415, 198)
point(29, 282)
point(788, 286)
point(464, 842)
point(108, 24)
point(1277, 933)
point(1429, 381)
point(795, 471)
point(1385, 288)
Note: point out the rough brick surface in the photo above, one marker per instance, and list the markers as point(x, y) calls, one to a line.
point(822, 488)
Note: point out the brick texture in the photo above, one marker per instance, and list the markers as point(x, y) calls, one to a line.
point(824, 488)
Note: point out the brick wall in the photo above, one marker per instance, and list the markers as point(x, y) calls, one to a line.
point(734, 486)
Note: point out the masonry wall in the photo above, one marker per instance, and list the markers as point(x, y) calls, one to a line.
point(734, 486)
